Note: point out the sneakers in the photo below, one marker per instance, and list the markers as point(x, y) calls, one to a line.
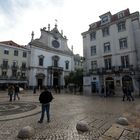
point(40, 121)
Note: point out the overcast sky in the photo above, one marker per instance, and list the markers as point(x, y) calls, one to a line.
point(18, 18)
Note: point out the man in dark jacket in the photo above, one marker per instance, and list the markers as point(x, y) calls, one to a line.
point(16, 94)
point(45, 98)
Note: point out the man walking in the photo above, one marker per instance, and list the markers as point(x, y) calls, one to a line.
point(125, 93)
point(45, 98)
point(16, 94)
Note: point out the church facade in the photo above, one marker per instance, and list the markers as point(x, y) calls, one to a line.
point(50, 59)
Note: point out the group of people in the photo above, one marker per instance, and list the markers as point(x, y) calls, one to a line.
point(46, 97)
point(127, 93)
point(13, 91)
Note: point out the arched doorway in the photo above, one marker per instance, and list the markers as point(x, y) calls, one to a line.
point(127, 81)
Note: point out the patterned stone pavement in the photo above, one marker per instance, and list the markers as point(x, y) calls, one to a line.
point(66, 110)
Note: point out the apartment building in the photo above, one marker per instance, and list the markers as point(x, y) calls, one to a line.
point(111, 48)
point(13, 64)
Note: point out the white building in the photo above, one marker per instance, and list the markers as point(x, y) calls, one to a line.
point(13, 64)
point(111, 48)
point(50, 59)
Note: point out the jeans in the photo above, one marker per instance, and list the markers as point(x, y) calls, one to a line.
point(11, 95)
point(45, 107)
point(16, 95)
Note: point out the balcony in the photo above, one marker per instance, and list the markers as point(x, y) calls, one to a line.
point(93, 71)
point(55, 69)
point(14, 67)
point(13, 77)
point(3, 77)
point(3, 66)
point(22, 68)
point(23, 78)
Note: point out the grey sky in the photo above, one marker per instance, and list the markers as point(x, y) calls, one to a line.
point(19, 17)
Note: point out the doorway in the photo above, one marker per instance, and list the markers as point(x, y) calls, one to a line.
point(40, 83)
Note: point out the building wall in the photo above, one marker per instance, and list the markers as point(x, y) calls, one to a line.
point(50, 44)
point(35, 68)
point(132, 33)
point(11, 58)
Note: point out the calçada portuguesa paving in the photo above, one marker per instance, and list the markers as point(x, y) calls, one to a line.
point(66, 110)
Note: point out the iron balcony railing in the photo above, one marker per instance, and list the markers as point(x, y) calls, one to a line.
point(23, 68)
point(3, 66)
point(15, 67)
point(3, 77)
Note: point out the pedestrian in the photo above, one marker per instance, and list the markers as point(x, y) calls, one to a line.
point(10, 92)
point(125, 93)
point(45, 98)
point(102, 91)
point(129, 90)
point(107, 91)
point(16, 93)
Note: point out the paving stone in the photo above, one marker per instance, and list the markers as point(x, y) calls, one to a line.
point(114, 132)
point(66, 111)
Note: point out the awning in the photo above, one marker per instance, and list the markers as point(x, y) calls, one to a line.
point(12, 81)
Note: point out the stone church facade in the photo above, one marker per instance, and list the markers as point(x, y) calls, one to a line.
point(50, 59)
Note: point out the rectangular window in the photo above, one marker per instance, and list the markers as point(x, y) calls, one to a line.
point(14, 73)
point(5, 63)
point(15, 52)
point(92, 36)
point(121, 14)
point(23, 74)
point(107, 47)
point(67, 65)
point(6, 52)
point(23, 65)
point(123, 43)
point(121, 26)
point(4, 73)
point(104, 19)
point(108, 64)
point(14, 63)
point(105, 31)
point(93, 50)
point(41, 61)
point(125, 61)
point(24, 54)
point(93, 64)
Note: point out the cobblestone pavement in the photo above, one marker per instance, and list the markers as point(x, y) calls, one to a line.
point(66, 110)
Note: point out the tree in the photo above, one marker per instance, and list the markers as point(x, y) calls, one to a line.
point(75, 78)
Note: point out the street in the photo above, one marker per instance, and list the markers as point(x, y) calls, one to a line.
point(66, 110)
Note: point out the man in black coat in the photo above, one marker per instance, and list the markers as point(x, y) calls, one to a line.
point(16, 94)
point(45, 98)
